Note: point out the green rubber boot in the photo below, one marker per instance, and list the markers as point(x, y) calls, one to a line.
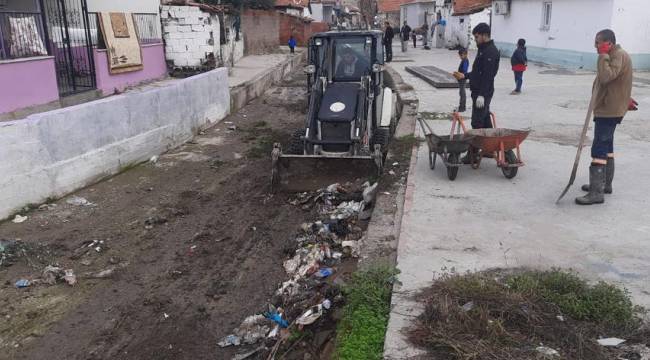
point(609, 177)
point(596, 193)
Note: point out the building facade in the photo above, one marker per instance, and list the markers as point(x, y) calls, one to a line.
point(50, 49)
point(562, 32)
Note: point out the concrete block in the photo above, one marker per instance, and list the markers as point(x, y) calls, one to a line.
point(185, 28)
point(199, 28)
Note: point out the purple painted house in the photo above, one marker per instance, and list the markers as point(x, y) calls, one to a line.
point(51, 49)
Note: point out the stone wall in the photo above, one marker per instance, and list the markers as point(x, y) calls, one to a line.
point(189, 36)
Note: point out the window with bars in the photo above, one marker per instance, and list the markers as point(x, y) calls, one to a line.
point(547, 8)
point(147, 27)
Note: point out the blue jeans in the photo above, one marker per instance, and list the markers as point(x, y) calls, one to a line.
point(519, 80)
point(604, 137)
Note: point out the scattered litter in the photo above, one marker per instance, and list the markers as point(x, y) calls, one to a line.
point(52, 273)
point(237, 156)
point(251, 330)
point(324, 272)
point(468, 306)
point(386, 193)
point(151, 221)
point(230, 340)
point(560, 317)
point(69, 277)
point(46, 207)
point(547, 351)
point(86, 262)
point(274, 332)
point(275, 315)
point(369, 193)
point(395, 163)
point(79, 201)
point(391, 172)
point(610, 342)
point(154, 159)
point(351, 248)
point(310, 316)
point(166, 316)
point(22, 283)
point(232, 127)
point(327, 304)
point(19, 219)
point(103, 274)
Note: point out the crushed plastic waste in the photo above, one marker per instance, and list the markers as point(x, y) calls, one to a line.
point(19, 219)
point(351, 248)
point(547, 352)
point(310, 316)
point(324, 272)
point(53, 274)
point(79, 201)
point(610, 342)
point(23, 283)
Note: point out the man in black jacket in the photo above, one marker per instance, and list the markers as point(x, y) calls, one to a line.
point(481, 79)
point(388, 41)
point(405, 35)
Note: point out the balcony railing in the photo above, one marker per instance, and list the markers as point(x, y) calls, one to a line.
point(21, 35)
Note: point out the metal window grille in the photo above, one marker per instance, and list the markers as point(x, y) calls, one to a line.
point(148, 28)
point(547, 8)
point(21, 35)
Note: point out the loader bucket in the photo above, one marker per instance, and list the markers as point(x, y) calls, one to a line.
point(296, 173)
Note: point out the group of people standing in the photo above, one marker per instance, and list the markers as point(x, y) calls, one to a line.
point(611, 95)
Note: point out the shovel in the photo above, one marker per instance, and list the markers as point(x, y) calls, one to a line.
point(580, 145)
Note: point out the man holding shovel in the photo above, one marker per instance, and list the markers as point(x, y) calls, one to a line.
point(610, 101)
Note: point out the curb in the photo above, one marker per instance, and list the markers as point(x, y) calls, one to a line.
point(242, 94)
point(379, 245)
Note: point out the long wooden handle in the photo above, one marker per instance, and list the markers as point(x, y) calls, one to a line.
point(583, 137)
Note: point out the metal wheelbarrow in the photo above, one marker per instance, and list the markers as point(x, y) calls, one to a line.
point(449, 147)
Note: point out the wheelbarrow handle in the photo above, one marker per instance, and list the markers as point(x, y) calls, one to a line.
point(494, 120)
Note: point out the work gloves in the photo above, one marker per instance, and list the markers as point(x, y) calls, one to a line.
point(633, 105)
point(480, 102)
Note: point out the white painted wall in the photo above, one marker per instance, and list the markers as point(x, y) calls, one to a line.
point(574, 23)
point(134, 6)
point(188, 34)
point(631, 23)
point(317, 12)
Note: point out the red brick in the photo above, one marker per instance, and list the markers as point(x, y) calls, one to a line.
point(465, 7)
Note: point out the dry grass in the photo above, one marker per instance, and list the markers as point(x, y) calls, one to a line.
point(492, 316)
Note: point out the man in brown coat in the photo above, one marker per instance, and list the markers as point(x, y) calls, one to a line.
point(611, 99)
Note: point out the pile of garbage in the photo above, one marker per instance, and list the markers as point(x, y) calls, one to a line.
point(307, 295)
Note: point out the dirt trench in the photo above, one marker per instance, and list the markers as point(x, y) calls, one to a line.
point(190, 245)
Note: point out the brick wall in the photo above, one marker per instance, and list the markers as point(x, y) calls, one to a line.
point(262, 31)
point(189, 35)
point(301, 29)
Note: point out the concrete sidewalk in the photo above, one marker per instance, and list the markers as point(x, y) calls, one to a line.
point(482, 220)
point(252, 66)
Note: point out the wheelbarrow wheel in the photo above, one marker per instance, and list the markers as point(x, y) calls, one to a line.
point(511, 158)
point(452, 171)
point(432, 159)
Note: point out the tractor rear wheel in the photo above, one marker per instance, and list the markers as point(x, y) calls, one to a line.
point(381, 136)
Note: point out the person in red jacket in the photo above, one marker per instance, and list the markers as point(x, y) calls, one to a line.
point(519, 63)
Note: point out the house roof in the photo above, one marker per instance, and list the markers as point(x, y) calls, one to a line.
point(298, 4)
point(466, 7)
point(387, 6)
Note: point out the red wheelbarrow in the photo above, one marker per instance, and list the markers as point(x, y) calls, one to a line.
point(498, 143)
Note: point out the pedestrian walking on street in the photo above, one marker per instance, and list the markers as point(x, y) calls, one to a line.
point(405, 35)
point(292, 44)
point(461, 76)
point(425, 36)
point(481, 78)
point(519, 63)
point(414, 37)
point(388, 41)
point(611, 99)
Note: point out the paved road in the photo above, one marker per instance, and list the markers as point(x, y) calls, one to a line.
point(482, 220)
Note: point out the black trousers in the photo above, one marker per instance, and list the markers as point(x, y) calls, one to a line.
point(389, 50)
point(481, 117)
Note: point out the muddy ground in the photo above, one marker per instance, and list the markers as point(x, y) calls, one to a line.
point(193, 244)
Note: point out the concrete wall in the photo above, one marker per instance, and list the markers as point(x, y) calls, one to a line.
point(188, 35)
point(153, 59)
point(317, 12)
point(56, 152)
point(631, 22)
point(27, 82)
point(574, 23)
point(262, 30)
point(414, 13)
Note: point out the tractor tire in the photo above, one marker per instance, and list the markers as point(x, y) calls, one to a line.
point(296, 144)
point(381, 136)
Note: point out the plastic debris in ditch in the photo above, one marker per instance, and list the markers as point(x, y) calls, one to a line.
point(324, 272)
point(310, 316)
point(610, 342)
point(23, 283)
point(79, 201)
point(18, 219)
point(53, 274)
point(251, 330)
